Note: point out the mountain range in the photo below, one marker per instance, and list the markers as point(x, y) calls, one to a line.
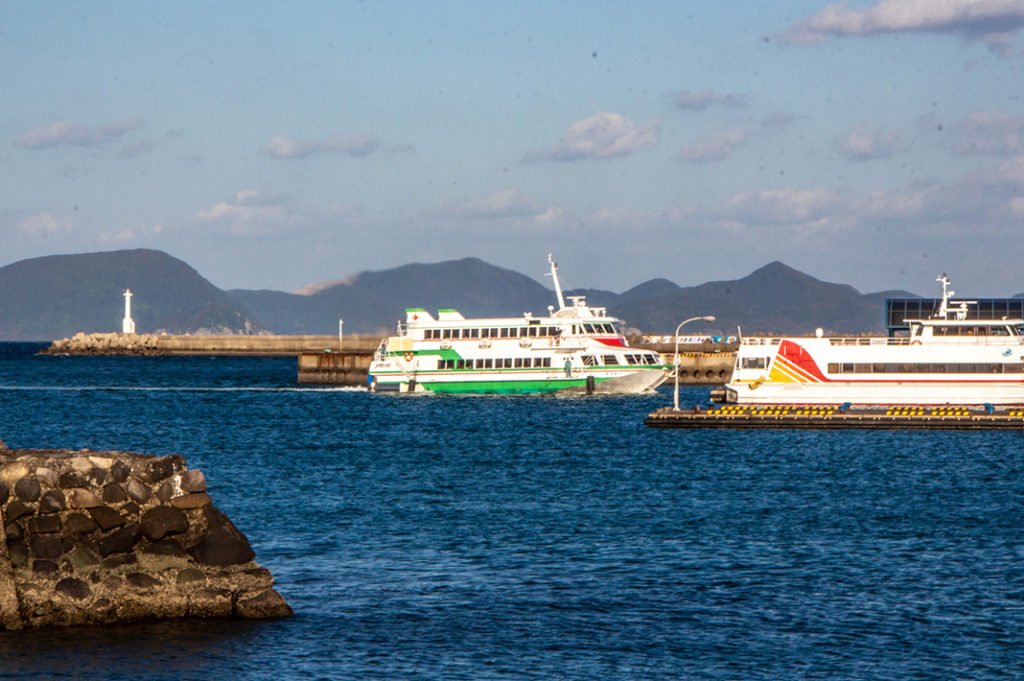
point(57, 296)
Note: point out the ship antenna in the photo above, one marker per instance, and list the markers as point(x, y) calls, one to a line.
point(558, 286)
point(946, 294)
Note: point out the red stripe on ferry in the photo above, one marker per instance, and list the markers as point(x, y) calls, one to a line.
point(614, 342)
point(795, 353)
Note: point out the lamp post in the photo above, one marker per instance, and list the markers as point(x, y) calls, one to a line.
point(708, 318)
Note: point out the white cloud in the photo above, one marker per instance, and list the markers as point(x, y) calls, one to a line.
point(603, 135)
point(783, 205)
point(248, 212)
point(991, 132)
point(64, 133)
point(698, 101)
point(994, 21)
point(510, 203)
point(714, 148)
point(1012, 170)
point(44, 225)
point(1017, 206)
point(349, 144)
point(861, 144)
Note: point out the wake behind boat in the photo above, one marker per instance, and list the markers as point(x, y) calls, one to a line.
point(955, 356)
point(576, 348)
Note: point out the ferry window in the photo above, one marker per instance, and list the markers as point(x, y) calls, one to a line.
point(473, 333)
point(519, 362)
point(610, 360)
point(488, 364)
point(631, 359)
point(460, 364)
point(862, 368)
point(532, 330)
point(833, 368)
point(589, 360)
point(508, 363)
point(847, 368)
point(447, 333)
point(762, 362)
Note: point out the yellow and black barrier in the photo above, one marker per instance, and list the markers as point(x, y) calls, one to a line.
point(945, 417)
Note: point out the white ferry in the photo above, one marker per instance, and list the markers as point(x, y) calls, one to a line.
point(576, 348)
point(946, 359)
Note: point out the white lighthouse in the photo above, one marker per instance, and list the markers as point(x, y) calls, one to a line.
point(128, 324)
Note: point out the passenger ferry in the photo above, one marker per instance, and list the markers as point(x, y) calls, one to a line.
point(576, 348)
point(947, 358)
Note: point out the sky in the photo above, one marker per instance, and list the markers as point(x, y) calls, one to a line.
point(275, 145)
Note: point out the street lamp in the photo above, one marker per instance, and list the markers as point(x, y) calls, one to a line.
point(708, 318)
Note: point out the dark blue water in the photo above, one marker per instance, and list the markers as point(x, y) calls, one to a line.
point(427, 537)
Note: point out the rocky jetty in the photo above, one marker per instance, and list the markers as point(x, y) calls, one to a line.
point(106, 344)
point(264, 345)
point(89, 537)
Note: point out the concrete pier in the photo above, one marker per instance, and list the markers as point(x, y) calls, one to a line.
point(840, 416)
point(334, 368)
point(699, 363)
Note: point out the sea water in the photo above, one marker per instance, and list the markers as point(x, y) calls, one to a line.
point(457, 537)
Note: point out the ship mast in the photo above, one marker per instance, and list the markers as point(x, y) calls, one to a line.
point(558, 286)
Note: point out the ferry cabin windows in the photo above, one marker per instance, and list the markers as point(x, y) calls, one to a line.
point(495, 363)
point(754, 363)
point(972, 331)
point(925, 368)
point(532, 330)
point(645, 358)
point(492, 332)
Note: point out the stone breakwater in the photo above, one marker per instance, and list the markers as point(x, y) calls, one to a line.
point(178, 344)
point(90, 537)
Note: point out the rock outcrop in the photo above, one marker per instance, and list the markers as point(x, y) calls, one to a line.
point(91, 537)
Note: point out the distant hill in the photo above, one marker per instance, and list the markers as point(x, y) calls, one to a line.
point(774, 299)
point(373, 302)
point(59, 295)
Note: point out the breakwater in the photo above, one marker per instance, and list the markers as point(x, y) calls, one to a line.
point(91, 537)
point(185, 344)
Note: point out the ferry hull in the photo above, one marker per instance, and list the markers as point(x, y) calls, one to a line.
point(878, 393)
point(638, 381)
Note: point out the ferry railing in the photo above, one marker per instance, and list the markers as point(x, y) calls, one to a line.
point(886, 341)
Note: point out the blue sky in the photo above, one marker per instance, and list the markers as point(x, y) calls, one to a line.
point(273, 145)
